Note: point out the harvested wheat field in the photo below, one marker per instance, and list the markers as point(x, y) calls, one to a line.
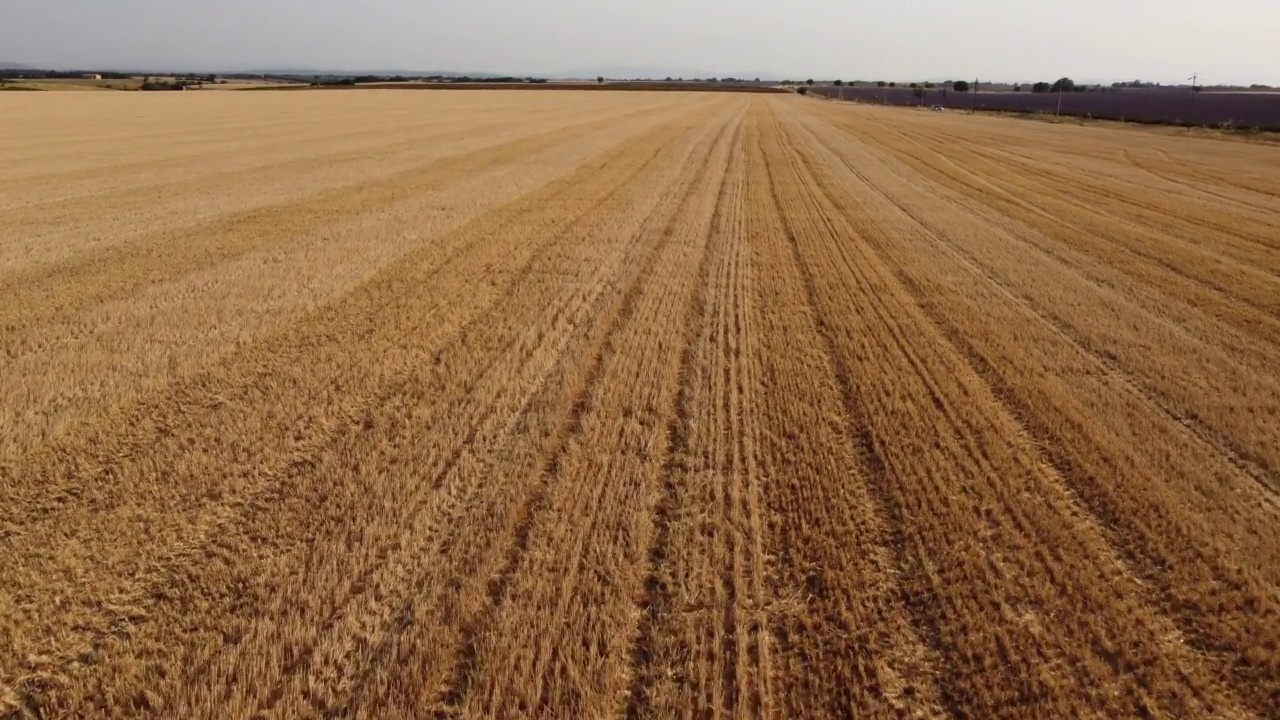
point(628, 405)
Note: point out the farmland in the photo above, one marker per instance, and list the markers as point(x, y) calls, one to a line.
point(631, 405)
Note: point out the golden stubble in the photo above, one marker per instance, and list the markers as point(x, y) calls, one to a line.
point(501, 404)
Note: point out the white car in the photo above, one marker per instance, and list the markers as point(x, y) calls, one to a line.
point(936, 108)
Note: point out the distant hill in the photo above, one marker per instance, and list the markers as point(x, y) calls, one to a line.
point(616, 72)
point(613, 72)
point(626, 72)
point(314, 72)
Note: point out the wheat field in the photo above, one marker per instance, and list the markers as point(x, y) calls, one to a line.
point(627, 405)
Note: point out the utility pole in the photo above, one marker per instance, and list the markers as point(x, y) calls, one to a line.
point(1061, 86)
point(973, 104)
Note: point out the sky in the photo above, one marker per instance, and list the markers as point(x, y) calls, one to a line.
point(1000, 40)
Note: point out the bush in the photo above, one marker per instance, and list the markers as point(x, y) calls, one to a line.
point(1040, 87)
point(960, 86)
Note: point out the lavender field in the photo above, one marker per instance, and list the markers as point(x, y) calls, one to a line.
point(1173, 106)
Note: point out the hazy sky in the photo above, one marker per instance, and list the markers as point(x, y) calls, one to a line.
point(1163, 40)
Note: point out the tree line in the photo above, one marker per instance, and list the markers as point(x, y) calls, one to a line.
point(1063, 84)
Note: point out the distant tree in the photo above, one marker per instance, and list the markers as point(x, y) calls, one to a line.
point(880, 83)
point(1040, 87)
point(809, 81)
point(892, 84)
point(1065, 84)
point(928, 86)
point(960, 86)
point(839, 83)
point(915, 85)
point(1017, 88)
point(599, 79)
